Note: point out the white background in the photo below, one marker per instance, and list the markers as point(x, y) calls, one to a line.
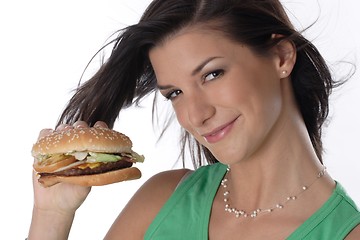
point(44, 47)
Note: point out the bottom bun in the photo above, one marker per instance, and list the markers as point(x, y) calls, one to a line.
point(101, 179)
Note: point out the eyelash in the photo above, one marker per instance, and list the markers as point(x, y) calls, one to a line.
point(168, 95)
point(215, 74)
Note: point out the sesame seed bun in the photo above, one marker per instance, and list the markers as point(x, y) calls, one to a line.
point(102, 140)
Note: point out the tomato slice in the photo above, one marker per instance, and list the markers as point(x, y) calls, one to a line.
point(53, 163)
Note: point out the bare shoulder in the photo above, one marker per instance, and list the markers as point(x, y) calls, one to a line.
point(354, 234)
point(137, 215)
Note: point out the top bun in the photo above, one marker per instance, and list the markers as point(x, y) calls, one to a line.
point(92, 139)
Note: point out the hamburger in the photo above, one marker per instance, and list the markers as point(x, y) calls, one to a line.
point(85, 156)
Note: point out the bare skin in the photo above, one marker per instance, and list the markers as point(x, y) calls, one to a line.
point(235, 98)
point(241, 107)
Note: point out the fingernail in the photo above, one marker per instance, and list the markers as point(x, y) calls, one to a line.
point(80, 124)
point(100, 124)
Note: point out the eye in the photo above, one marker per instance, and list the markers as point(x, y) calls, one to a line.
point(172, 94)
point(213, 75)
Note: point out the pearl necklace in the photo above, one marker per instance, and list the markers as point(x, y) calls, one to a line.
point(253, 214)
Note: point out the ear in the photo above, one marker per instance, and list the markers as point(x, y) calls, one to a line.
point(285, 56)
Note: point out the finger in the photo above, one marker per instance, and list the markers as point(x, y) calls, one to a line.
point(80, 124)
point(63, 127)
point(45, 132)
point(100, 124)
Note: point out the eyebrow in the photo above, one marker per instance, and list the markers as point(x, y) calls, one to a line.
point(203, 64)
point(164, 87)
point(194, 72)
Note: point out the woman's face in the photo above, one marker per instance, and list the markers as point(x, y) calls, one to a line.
point(223, 94)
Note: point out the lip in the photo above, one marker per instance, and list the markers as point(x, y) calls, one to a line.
point(220, 132)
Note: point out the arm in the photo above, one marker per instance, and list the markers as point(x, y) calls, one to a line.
point(50, 225)
point(137, 215)
point(54, 207)
point(54, 210)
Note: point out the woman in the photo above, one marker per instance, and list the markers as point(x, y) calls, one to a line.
point(251, 93)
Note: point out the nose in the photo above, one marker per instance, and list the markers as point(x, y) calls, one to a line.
point(199, 109)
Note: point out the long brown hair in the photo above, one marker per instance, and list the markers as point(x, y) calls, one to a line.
point(127, 75)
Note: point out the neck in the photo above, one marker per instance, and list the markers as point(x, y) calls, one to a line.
point(285, 162)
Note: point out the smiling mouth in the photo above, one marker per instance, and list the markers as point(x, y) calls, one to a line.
point(219, 133)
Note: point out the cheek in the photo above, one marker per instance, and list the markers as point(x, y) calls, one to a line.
point(233, 93)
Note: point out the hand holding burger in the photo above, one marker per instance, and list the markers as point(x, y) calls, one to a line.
point(86, 156)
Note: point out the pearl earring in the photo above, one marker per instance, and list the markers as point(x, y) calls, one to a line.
point(284, 72)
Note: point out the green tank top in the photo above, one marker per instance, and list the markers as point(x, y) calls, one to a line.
point(187, 212)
